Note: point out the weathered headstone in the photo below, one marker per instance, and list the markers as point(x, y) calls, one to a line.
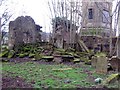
point(94, 61)
point(101, 65)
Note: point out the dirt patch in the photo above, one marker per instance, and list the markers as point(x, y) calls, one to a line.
point(42, 61)
point(20, 60)
point(45, 62)
point(17, 82)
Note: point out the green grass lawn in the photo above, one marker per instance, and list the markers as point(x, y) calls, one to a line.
point(44, 76)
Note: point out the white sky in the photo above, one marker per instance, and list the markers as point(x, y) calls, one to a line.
point(37, 9)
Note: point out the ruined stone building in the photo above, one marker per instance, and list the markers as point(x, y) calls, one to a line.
point(23, 30)
point(62, 35)
point(96, 18)
point(96, 22)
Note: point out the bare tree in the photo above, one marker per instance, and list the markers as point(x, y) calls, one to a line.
point(67, 9)
point(0, 23)
point(113, 17)
point(116, 16)
point(118, 39)
point(5, 17)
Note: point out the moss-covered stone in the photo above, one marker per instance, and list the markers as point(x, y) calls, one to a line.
point(76, 60)
point(21, 55)
point(5, 60)
point(83, 59)
point(67, 58)
point(60, 50)
point(11, 53)
point(70, 50)
point(38, 56)
point(31, 55)
point(4, 53)
point(94, 61)
point(102, 64)
point(48, 58)
point(111, 79)
point(100, 54)
point(88, 62)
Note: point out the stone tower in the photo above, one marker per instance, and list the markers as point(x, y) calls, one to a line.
point(96, 18)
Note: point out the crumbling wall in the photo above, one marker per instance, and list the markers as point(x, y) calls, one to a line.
point(22, 30)
point(62, 37)
point(101, 43)
point(96, 43)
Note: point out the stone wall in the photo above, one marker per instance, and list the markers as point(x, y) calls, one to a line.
point(96, 43)
point(63, 38)
point(101, 43)
point(23, 30)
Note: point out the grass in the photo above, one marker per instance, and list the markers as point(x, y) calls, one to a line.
point(44, 75)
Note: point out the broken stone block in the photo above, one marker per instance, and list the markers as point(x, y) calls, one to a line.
point(57, 58)
point(67, 58)
point(112, 78)
point(101, 65)
point(76, 60)
point(115, 63)
point(48, 58)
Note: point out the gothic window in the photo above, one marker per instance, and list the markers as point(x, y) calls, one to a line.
point(90, 13)
point(105, 16)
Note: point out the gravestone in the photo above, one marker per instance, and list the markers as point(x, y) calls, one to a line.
point(94, 61)
point(101, 65)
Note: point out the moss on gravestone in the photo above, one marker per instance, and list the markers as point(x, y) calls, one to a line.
point(11, 53)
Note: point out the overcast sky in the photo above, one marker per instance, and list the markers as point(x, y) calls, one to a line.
point(37, 9)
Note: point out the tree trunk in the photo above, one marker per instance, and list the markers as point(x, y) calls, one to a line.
point(118, 44)
point(110, 46)
point(71, 22)
point(0, 32)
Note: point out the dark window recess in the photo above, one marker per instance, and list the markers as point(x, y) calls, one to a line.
point(15, 34)
point(90, 13)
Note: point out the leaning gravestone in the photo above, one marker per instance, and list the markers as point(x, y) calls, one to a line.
point(101, 65)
